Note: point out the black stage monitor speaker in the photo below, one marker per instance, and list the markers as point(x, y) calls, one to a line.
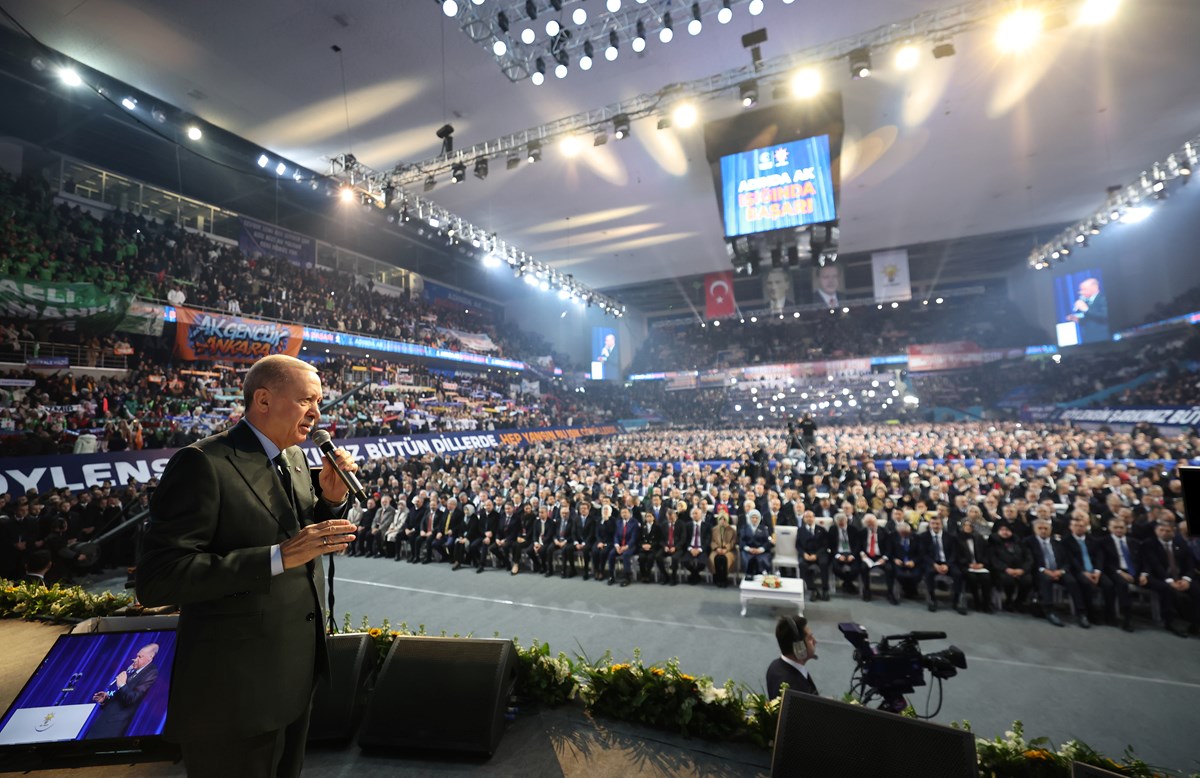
point(1189, 478)
point(1081, 770)
point(447, 694)
point(338, 702)
point(817, 736)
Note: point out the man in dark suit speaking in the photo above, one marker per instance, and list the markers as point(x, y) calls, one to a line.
point(121, 699)
point(1090, 312)
point(797, 647)
point(236, 536)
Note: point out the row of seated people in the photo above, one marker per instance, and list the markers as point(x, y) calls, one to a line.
point(1098, 570)
point(583, 539)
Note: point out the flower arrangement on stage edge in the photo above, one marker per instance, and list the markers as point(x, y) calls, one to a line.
point(660, 695)
point(56, 603)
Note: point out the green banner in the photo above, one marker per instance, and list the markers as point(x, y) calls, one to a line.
point(142, 318)
point(83, 305)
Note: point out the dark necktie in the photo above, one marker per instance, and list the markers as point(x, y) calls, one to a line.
point(1126, 556)
point(285, 478)
point(1172, 565)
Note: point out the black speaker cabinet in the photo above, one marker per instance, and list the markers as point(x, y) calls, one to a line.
point(1189, 478)
point(447, 694)
point(338, 701)
point(817, 736)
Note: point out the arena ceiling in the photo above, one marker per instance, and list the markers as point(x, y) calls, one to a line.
point(979, 143)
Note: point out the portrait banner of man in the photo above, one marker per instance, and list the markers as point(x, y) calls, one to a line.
point(828, 285)
point(777, 289)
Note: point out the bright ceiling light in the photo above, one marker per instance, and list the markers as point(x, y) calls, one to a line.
point(450, 8)
point(499, 48)
point(1098, 11)
point(684, 115)
point(130, 103)
point(346, 194)
point(263, 160)
point(613, 6)
point(666, 33)
point(552, 28)
point(194, 133)
point(579, 16)
point(907, 57)
point(755, 7)
point(528, 36)
point(806, 83)
point(1019, 30)
point(570, 146)
point(725, 15)
point(560, 70)
point(280, 169)
point(69, 77)
point(1135, 215)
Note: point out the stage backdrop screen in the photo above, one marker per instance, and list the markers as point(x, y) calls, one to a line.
point(1081, 308)
point(777, 168)
point(776, 187)
point(606, 363)
point(96, 686)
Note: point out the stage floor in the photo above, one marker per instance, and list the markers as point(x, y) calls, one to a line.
point(1101, 685)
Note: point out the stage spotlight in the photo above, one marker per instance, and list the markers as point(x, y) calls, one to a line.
point(556, 4)
point(612, 51)
point(450, 8)
point(513, 161)
point(579, 17)
point(553, 27)
point(725, 15)
point(696, 24)
point(600, 138)
point(539, 74)
point(159, 116)
point(613, 6)
point(297, 176)
point(860, 63)
point(1159, 188)
point(639, 39)
point(263, 160)
point(621, 126)
point(69, 77)
point(458, 171)
point(481, 168)
point(194, 133)
point(346, 194)
point(502, 22)
point(499, 48)
point(533, 151)
point(560, 70)
point(748, 92)
point(430, 182)
point(570, 146)
point(1135, 215)
point(907, 57)
point(755, 7)
point(129, 102)
point(685, 115)
point(530, 10)
point(943, 50)
point(806, 83)
point(585, 61)
point(280, 169)
point(1098, 11)
point(389, 195)
point(1019, 30)
point(446, 134)
point(528, 36)
point(666, 33)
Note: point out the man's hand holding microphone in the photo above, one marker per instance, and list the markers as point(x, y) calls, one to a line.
point(337, 481)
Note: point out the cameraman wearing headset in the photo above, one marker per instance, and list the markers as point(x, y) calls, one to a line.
point(797, 647)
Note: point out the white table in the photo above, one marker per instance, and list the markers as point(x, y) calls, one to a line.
point(790, 590)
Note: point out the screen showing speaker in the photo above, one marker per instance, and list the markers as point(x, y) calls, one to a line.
point(94, 687)
point(606, 363)
point(1081, 308)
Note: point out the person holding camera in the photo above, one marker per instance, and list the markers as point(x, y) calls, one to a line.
point(797, 647)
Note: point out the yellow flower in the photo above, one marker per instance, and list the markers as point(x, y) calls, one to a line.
point(1035, 753)
point(618, 668)
point(656, 670)
point(394, 634)
point(686, 677)
point(374, 632)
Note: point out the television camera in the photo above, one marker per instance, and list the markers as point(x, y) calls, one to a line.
point(895, 666)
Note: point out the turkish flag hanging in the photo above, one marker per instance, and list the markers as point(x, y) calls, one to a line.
point(718, 295)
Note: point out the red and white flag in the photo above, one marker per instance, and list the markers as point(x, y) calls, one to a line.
point(718, 295)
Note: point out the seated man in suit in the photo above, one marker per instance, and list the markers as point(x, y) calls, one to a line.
point(444, 534)
point(844, 548)
point(504, 544)
point(1168, 572)
point(1085, 552)
point(467, 538)
point(1053, 565)
point(939, 559)
point(671, 548)
point(695, 554)
point(604, 539)
point(797, 647)
point(874, 554)
point(1119, 566)
point(583, 537)
point(812, 548)
point(754, 543)
point(1011, 565)
point(624, 546)
point(972, 561)
point(560, 546)
point(905, 559)
point(649, 546)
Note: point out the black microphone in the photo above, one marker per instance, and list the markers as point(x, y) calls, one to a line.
point(322, 440)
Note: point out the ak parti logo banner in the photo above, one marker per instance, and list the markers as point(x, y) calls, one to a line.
point(203, 335)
